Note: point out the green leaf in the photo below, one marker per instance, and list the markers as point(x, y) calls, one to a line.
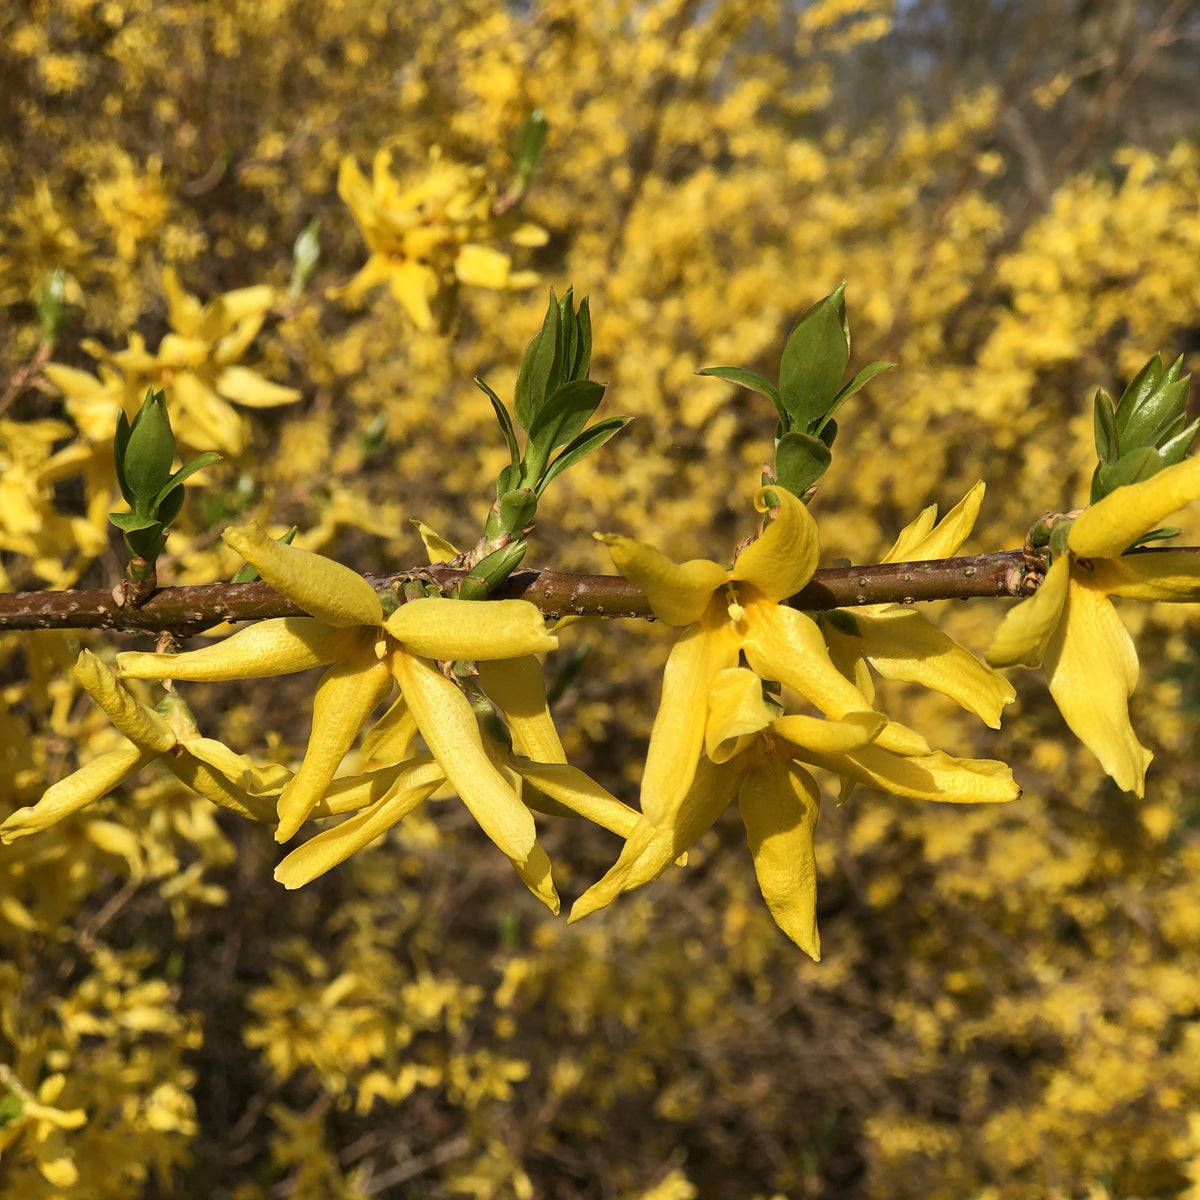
point(529, 146)
point(1162, 408)
point(814, 361)
point(504, 421)
point(859, 382)
point(120, 446)
point(1140, 386)
point(561, 419)
point(150, 451)
point(131, 522)
point(587, 442)
point(51, 303)
point(186, 472)
point(306, 252)
point(536, 367)
point(491, 571)
point(1156, 535)
point(1108, 444)
point(1175, 449)
point(800, 460)
point(1130, 468)
point(828, 432)
point(517, 509)
point(754, 382)
point(583, 350)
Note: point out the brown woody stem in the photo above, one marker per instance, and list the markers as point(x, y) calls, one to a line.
point(190, 609)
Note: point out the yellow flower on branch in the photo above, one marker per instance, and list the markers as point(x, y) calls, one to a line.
point(197, 364)
point(1070, 627)
point(900, 643)
point(761, 758)
point(209, 767)
point(430, 235)
point(728, 613)
point(365, 652)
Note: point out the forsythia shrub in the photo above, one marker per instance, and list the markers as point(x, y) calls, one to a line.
point(1007, 1003)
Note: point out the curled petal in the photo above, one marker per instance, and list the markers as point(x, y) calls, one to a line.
point(276, 647)
point(678, 733)
point(1149, 575)
point(391, 736)
point(783, 560)
point(535, 875)
point(141, 725)
point(831, 737)
point(243, 386)
point(678, 592)
point(901, 644)
point(787, 646)
point(329, 591)
point(652, 847)
point(934, 776)
point(578, 793)
point(1113, 524)
point(1092, 669)
point(350, 793)
point(223, 778)
point(451, 732)
point(412, 786)
point(68, 796)
point(343, 701)
point(518, 687)
point(736, 710)
point(922, 539)
point(470, 629)
point(780, 804)
point(436, 547)
point(1026, 630)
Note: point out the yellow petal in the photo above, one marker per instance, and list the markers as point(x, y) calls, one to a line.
point(1148, 575)
point(377, 270)
point(787, 646)
point(678, 593)
point(678, 733)
point(329, 591)
point(736, 710)
point(780, 804)
point(244, 387)
point(390, 738)
point(353, 188)
point(845, 652)
point(1116, 522)
point(831, 737)
point(578, 793)
point(923, 540)
point(436, 546)
point(482, 266)
point(449, 728)
point(934, 776)
point(343, 701)
point(141, 725)
point(216, 773)
point(276, 647)
point(350, 793)
point(412, 786)
point(1092, 669)
point(412, 284)
point(901, 644)
point(1026, 630)
point(535, 874)
point(651, 847)
point(783, 560)
point(68, 796)
point(470, 629)
point(517, 687)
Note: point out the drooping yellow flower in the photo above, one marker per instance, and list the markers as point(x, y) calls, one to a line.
point(900, 643)
point(760, 757)
point(428, 236)
point(728, 613)
point(209, 767)
point(197, 364)
point(1070, 627)
point(365, 652)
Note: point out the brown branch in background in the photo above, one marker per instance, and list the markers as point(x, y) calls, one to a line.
point(186, 610)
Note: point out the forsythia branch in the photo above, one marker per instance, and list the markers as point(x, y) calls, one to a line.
point(556, 594)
